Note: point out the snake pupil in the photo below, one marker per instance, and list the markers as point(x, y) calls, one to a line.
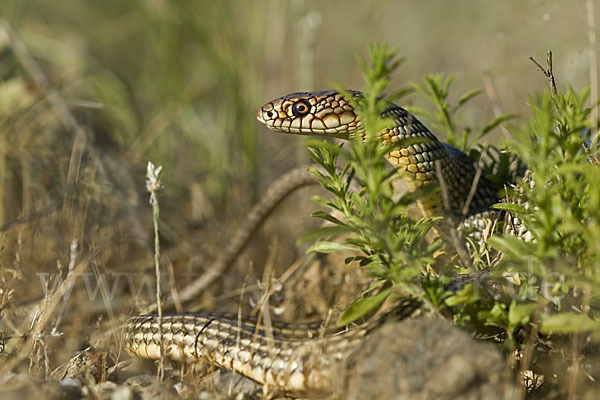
point(301, 108)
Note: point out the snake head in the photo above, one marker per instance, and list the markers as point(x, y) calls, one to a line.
point(326, 113)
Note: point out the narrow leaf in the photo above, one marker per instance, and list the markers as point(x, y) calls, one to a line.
point(519, 314)
point(510, 207)
point(497, 121)
point(327, 217)
point(328, 247)
point(361, 307)
point(568, 323)
point(321, 232)
point(514, 246)
point(466, 97)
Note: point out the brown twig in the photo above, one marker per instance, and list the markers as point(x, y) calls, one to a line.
point(473, 189)
point(593, 81)
point(547, 71)
point(451, 234)
point(173, 287)
point(264, 312)
point(153, 185)
point(46, 310)
point(279, 190)
point(528, 354)
point(62, 309)
point(593, 158)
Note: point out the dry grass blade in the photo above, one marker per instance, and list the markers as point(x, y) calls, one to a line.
point(45, 311)
point(279, 190)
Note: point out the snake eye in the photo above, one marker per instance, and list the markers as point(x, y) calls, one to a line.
point(301, 108)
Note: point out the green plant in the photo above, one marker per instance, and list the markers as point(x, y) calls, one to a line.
point(446, 117)
point(391, 245)
point(559, 266)
point(554, 271)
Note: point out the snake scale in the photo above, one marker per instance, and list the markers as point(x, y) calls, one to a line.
point(297, 357)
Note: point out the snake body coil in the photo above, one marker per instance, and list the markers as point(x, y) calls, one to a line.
point(295, 357)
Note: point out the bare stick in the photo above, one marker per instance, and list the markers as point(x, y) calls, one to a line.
point(153, 185)
point(173, 287)
point(451, 234)
point(443, 187)
point(264, 313)
point(473, 189)
point(38, 325)
point(72, 263)
point(279, 190)
point(593, 81)
point(547, 71)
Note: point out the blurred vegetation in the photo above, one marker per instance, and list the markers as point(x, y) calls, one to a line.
point(92, 91)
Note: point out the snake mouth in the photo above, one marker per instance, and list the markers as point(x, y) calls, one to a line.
point(310, 131)
point(309, 125)
point(262, 114)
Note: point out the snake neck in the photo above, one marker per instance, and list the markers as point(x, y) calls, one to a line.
point(415, 151)
point(464, 192)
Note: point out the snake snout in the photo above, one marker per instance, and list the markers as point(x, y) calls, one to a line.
point(266, 116)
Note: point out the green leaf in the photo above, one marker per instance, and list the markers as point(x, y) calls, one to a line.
point(327, 217)
point(318, 144)
point(328, 247)
point(321, 232)
point(515, 208)
point(512, 245)
point(495, 316)
point(464, 296)
point(446, 84)
point(400, 93)
point(568, 322)
point(466, 97)
point(361, 307)
point(519, 314)
point(501, 119)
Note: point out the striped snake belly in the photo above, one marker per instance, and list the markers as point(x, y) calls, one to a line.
point(296, 357)
point(300, 357)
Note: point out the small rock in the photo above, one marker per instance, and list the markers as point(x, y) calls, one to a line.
point(427, 358)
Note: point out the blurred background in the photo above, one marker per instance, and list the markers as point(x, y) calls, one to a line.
point(92, 91)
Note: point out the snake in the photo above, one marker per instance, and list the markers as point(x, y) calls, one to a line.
point(300, 357)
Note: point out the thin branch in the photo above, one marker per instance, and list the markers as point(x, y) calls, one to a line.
point(547, 71)
point(153, 185)
point(448, 229)
point(473, 189)
point(279, 190)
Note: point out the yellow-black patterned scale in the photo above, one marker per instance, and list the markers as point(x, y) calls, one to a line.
point(301, 358)
point(329, 114)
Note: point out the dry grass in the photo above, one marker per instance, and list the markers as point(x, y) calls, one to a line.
point(90, 94)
